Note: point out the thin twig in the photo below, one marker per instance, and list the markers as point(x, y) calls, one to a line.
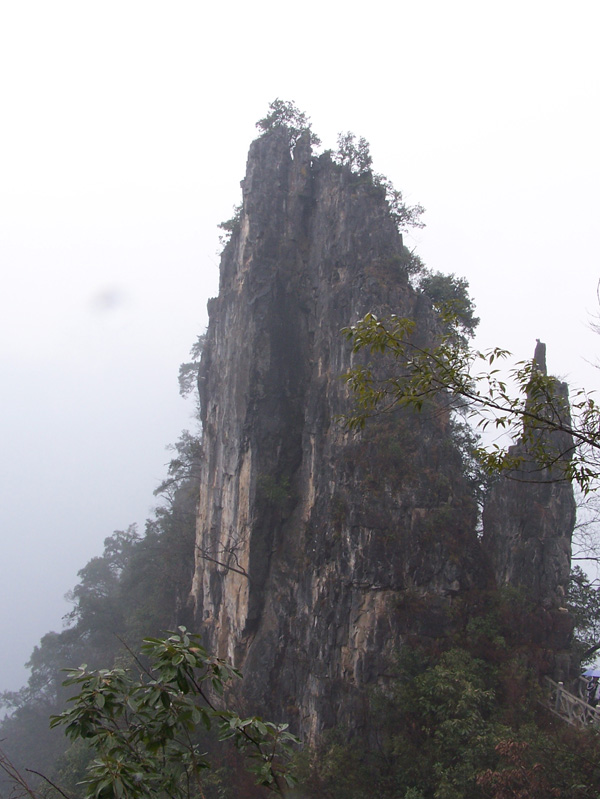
point(49, 781)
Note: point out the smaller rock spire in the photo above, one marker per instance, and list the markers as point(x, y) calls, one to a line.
point(539, 356)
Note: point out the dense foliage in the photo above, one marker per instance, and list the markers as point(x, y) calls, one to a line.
point(459, 718)
point(448, 292)
point(141, 723)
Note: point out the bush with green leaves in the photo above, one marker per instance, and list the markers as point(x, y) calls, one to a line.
point(353, 153)
point(188, 371)
point(142, 724)
point(451, 293)
point(229, 226)
point(405, 216)
point(432, 730)
point(452, 724)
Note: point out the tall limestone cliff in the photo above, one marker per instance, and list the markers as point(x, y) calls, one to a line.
point(319, 551)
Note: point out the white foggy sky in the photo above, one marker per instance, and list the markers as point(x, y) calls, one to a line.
point(124, 133)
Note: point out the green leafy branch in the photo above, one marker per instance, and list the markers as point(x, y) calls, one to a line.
point(144, 728)
point(528, 405)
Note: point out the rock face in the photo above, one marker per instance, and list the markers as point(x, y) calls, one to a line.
point(320, 551)
point(528, 521)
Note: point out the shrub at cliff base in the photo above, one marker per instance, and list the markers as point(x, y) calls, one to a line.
point(462, 723)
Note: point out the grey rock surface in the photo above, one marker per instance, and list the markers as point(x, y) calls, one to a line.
point(320, 551)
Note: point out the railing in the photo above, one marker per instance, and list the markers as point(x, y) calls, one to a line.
point(569, 707)
point(579, 688)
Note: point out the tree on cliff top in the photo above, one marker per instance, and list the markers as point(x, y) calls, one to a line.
point(356, 155)
point(450, 292)
point(351, 152)
point(286, 114)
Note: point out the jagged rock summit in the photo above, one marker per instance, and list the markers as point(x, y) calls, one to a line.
point(320, 551)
